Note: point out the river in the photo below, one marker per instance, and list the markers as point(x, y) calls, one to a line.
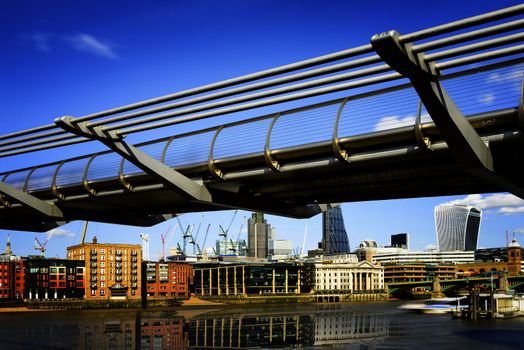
point(312, 326)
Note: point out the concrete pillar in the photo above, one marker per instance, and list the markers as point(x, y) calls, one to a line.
point(202, 281)
point(235, 280)
point(227, 280)
point(286, 280)
point(273, 283)
point(243, 282)
point(218, 281)
point(298, 283)
point(210, 281)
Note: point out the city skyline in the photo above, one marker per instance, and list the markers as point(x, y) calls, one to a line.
point(79, 58)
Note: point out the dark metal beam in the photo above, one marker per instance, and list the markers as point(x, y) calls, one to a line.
point(30, 201)
point(182, 185)
point(470, 151)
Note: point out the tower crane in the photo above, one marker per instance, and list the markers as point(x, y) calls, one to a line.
point(145, 246)
point(41, 246)
point(205, 239)
point(163, 239)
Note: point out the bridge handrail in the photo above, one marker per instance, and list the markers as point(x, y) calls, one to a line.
point(50, 136)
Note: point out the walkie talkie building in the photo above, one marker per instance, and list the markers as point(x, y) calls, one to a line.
point(457, 227)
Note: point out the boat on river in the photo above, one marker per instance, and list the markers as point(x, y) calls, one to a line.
point(437, 306)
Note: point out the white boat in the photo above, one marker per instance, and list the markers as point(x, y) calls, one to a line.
point(436, 306)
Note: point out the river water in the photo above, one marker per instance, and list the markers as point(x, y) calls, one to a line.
point(314, 326)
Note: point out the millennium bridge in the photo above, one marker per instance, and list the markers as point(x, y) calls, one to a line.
point(430, 113)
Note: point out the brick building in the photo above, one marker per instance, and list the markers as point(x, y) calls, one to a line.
point(112, 270)
point(11, 274)
point(167, 279)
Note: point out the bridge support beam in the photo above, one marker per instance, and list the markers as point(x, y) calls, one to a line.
point(29, 201)
point(470, 151)
point(168, 176)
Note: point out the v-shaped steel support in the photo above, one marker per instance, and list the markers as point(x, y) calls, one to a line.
point(168, 176)
point(469, 150)
point(30, 201)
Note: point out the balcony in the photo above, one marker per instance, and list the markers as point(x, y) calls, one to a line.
point(133, 258)
point(93, 279)
point(93, 258)
point(93, 286)
point(118, 258)
point(119, 253)
point(133, 253)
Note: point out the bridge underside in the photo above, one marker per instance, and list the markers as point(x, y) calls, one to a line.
point(374, 143)
point(385, 165)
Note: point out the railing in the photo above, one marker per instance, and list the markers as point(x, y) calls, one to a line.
point(480, 65)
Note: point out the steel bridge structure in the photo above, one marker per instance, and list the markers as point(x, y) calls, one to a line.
point(431, 113)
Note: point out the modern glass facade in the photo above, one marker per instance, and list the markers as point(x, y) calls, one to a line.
point(457, 227)
point(334, 236)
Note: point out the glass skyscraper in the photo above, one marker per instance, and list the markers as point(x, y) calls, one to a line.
point(334, 236)
point(457, 227)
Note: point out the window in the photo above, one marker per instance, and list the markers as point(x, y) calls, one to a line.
point(102, 284)
point(102, 292)
point(93, 292)
point(102, 251)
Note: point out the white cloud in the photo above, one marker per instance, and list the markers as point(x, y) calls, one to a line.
point(82, 42)
point(41, 41)
point(89, 44)
point(59, 232)
point(506, 203)
point(513, 74)
point(519, 230)
point(394, 122)
point(510, 210)
point(487, 98)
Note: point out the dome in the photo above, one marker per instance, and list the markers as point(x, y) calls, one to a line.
point(369, 243)
point(514, 243)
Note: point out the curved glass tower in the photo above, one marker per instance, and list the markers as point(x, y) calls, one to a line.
point(334, 236)
point(457, 227)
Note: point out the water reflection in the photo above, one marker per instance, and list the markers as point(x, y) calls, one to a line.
point(321, 325)
point(250, 327)
point(343, 326)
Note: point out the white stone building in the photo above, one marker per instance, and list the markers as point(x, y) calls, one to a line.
point(345, 273)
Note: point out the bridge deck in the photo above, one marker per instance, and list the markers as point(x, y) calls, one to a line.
point(370, 138)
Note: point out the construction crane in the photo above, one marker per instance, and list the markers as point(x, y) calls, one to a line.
point(163, 239)
point(205, 239)
point(145, 246)
point(194, 238)
point(303, 243)
point(185, 234)
point(42, 246)
point(224, 232)
point(84, 231)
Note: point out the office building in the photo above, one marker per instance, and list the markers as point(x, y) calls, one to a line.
point(53, 278)
point(224, 279)
point(400, 240)
point(334, 236)
point(258, 231)
point(457, 227)
point(280, 249)
point(113, 270)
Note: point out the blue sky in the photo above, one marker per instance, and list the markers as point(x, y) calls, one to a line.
point(78, 57)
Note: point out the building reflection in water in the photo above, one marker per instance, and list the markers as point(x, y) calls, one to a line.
point(326, 325)
point(330, 325)
point(93, 330)
point(356, 329)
